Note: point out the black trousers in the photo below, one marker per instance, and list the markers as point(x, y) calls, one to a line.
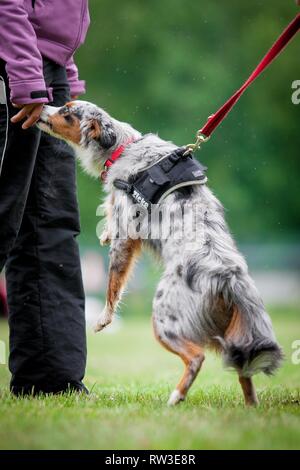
point(39, 223)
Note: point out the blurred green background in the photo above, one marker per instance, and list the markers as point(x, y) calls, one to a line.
point(164, 66)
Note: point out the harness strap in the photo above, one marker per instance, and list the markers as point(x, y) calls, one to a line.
point(153, 184)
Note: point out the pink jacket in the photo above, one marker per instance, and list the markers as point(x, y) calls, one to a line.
point(30, 29)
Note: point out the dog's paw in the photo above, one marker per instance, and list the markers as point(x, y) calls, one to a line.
point(104, 320)
point(105, 239)
point(175, 398)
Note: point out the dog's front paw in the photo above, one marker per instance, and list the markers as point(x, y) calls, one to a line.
point(104, 320)
point(105, 238)
point(175, 398)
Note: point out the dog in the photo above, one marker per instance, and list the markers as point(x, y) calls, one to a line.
point(206, 297)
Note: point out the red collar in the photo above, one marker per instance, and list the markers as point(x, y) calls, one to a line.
point(114, 156)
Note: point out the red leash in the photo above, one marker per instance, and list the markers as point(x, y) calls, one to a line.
point(215, 120)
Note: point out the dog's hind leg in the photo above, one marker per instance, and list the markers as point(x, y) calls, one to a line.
point(233, 333)
point(249, 391)
point(191, 354)
point(122, 256)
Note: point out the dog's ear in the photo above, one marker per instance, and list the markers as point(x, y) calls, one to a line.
point(94, 129)
point(104, 134)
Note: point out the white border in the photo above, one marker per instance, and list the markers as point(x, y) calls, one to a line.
point(6, 133)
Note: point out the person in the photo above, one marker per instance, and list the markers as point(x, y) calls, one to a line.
point(39, 219)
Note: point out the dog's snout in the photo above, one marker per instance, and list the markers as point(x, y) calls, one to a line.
point(48, 111)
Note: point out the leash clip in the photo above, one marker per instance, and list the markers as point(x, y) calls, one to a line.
point(200, 139)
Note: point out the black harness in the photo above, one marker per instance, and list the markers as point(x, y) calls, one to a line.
point(153, 184)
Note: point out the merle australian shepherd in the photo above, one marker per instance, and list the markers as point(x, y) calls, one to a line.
point(206, 297)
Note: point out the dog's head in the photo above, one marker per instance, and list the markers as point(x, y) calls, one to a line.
point(80, 124)
point(88, 129)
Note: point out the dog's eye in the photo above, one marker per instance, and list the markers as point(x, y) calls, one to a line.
point(63, 110)
point(68, 118)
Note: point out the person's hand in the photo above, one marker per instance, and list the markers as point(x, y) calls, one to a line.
point(31, 111)
point(75, 97)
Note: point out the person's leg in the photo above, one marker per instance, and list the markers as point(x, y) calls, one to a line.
point(18, 151)
point(45, 292)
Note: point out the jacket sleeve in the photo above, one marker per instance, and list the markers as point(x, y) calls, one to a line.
point(77, 87)
point(18, 48)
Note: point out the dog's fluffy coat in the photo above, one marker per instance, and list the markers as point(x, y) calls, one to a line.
point(206, 297)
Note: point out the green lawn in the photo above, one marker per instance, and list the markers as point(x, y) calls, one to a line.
point(130, 376)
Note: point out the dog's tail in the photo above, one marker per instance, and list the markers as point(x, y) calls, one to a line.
point(249, 344)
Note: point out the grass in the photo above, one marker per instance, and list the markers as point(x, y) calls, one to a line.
point(130, 377)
